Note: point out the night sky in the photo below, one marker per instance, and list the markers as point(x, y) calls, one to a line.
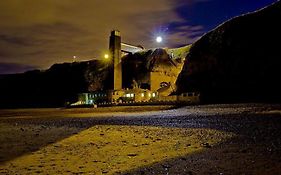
point(39, 33)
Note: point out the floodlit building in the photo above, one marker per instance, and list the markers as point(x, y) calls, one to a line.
point(163, 72)
point(117, 96)
point(136, 95)
point(92, 98)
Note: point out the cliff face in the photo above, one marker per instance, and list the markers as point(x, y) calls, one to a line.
point(239, 61)
point(52, 87)
point(62, 82)
point(150, 68)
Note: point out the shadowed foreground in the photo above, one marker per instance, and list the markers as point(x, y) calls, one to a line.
point(212, 139)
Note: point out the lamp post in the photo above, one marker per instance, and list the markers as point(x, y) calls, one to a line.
point(106, 56)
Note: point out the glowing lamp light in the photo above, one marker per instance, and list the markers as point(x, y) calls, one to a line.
point(159, 39)
point(106, 56)
point(74, 58)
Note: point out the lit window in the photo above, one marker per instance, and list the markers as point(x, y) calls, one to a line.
point(153, 95)
point(128, 95)
point(142, 94)
point(149, 94)
point(132, 95)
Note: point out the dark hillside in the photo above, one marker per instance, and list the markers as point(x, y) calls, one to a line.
point(52, 87)
point(62, 82)
point(239, 61)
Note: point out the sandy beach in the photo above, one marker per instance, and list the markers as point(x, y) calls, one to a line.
point(207, 139)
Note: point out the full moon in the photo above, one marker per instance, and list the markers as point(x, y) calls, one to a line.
point(159, 39)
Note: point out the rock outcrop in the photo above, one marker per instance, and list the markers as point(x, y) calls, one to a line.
point(239, 61)
point(149, 67)
point(62, 82)
point(52, 87)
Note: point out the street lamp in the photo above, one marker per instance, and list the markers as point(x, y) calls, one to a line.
point(106, 56)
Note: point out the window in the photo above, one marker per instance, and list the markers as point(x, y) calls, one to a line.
point(142, 94)
point(153, 94)
point(164, 84)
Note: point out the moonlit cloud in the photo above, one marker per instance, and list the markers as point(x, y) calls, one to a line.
point(41, 33)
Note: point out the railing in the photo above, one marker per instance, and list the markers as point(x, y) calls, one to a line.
point(128, 48)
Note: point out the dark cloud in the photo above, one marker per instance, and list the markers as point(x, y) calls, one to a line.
point(41, 33)
point(13, 40)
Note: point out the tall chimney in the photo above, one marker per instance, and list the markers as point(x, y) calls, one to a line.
point(115, 53)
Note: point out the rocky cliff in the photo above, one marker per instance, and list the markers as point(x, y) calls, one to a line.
point(52, 87)
point(139, 66)
point(239, 61)
point(62, 82)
